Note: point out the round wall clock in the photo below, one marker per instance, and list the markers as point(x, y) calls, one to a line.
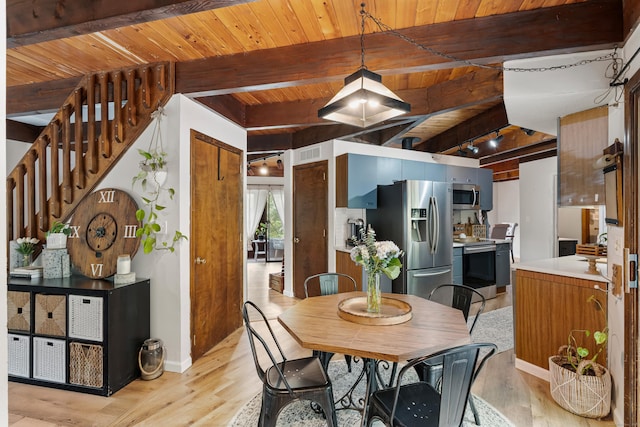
point(103, 226)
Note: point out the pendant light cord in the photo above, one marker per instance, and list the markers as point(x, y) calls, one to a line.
point(363, 14)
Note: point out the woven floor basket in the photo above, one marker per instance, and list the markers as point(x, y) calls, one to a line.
point(584, 395)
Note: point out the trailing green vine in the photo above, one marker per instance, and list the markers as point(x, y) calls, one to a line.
point(151, 178)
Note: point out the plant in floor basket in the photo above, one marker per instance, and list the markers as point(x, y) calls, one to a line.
point(376, 257)
point(151, 176)
point(26, 248)
point(578, 382)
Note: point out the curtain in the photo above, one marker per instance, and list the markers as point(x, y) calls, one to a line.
point(278, 200)
point(255, 203)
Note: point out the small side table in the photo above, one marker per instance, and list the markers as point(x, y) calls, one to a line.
point(257, 251)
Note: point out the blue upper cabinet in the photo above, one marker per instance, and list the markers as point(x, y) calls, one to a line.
point(462, 175)
point(388, 170)
point(356, 181)
point(415, 170)
point(485, 182)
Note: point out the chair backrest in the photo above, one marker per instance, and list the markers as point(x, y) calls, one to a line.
point(254, 337)
point(459, 369)
point(461, 299)
point(499, 231)
point(328, 283)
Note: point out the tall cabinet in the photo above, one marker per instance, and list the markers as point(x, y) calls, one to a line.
point(76, 333)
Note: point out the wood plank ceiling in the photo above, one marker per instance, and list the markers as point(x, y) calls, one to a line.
point(269, 65)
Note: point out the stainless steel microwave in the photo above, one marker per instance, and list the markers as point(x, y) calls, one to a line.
point(466, 196)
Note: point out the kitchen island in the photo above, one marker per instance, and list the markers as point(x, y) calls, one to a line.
point(549, 300)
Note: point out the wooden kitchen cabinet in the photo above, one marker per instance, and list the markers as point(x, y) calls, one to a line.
point(76, 333)
point(345, 265)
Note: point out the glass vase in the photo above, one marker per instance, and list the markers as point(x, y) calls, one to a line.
point(25, 260)
point(374, 304)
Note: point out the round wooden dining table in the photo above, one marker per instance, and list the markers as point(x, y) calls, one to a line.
point(315, 324)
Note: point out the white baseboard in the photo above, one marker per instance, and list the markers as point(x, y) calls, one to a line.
point(532, 369)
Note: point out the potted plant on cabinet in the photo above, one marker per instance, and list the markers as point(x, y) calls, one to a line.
point(578, 382)
point(261, 231)
point(57, 235)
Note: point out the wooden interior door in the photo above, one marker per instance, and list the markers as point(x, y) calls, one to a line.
point(310, 213)
point(216, 242)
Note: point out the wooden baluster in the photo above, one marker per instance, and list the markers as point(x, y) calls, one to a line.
point(92, 148)
point(145, 86)
point(54, 172)
point(11, 185)
point(131, 98)
point(20, 200)
point(117, 107)
point(67, 185)
point(79, 168)
point(32, 225)
point(43, 214)
point(105, 139)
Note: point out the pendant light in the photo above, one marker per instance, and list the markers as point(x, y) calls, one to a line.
point(364, 100)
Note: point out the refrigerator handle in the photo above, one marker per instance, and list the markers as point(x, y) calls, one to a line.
point(432, 274)
point(432, 221)
point(436, 241)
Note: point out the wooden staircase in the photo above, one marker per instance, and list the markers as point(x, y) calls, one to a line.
point(92, 130)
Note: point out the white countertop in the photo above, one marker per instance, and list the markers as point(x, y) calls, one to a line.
point(571, 266)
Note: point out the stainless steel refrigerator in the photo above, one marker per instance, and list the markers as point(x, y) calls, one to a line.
point(416, 216)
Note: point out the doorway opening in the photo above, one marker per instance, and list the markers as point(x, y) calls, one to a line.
point(265, 223)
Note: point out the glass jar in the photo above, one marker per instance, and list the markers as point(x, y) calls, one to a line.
point(151, 359)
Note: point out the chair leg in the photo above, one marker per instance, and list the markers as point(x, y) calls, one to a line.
point(347, 359)
point(476, 417)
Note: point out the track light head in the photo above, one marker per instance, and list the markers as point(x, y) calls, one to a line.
point(472, 148)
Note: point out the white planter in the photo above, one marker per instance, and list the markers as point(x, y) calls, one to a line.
point(56, 241)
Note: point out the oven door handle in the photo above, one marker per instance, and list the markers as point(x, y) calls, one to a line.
point(479, 249)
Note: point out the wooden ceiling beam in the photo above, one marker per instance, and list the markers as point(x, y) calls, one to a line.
point(545, 31)
point(549, 146)
point(22, 132)
point(228, 106)
point(496, 38)
point(474, 88)
point(30, 22)
point(481, 124)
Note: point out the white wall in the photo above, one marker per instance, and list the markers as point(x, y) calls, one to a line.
point(506, 208)
point(537, 209)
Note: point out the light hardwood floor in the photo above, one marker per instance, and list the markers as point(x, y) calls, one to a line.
point(216, 386)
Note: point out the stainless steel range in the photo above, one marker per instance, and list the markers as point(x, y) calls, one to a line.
point(479, 267)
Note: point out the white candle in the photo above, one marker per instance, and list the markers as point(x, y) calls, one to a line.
point(124, 264)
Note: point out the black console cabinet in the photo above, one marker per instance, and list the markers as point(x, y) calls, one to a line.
point(76, 333)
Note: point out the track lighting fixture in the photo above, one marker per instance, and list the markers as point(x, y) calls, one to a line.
point(280, 164)
point(472, 148)
point(364, 100)
point(529, 132)
point(461, 152)
point(264, 169)
point(495, 141)
point(250, 170)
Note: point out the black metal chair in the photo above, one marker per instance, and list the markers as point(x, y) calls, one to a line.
point(421, 404)
point(287, 380)
point(460, 297)
point(328, 284)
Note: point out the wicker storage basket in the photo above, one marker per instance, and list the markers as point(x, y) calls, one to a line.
point(18, 310)
point(584, 395)
point(85, 364)
point(51, 315)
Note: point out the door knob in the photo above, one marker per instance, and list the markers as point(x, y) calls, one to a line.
point(296, 240)
point(201, 260)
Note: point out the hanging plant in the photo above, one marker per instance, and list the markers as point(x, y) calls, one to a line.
point(151, 177)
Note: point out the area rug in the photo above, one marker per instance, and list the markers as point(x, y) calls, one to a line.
point(495, 326)
point(299, 413)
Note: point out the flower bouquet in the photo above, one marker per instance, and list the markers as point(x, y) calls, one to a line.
point(26, 247)
point(375, 258)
